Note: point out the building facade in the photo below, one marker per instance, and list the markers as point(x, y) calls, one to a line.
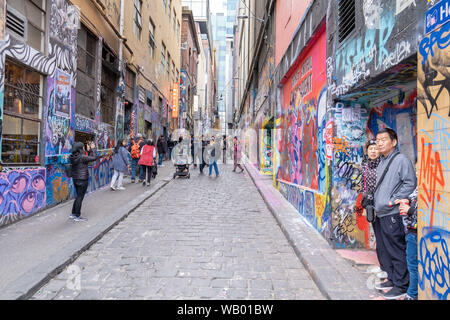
point(190, 50)
point(344, 70)
point(78, 71)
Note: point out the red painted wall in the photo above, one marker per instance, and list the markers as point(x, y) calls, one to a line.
point(289, 13)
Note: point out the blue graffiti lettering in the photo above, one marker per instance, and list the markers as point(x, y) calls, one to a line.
point(434, 261)
point(440, 37)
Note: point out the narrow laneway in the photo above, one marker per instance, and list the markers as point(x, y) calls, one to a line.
point(202, 238)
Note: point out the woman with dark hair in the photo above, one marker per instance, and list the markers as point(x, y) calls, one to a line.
point(120, 164)
point(147, 160)
point(369, 166)
point(80, 174)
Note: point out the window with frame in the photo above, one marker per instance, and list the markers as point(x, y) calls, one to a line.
point(86, 73)
point(33, 28)
point(163, 56)
point(22, 114)
point(173, 71)
point(168, 63)
point(151, 38)
point(174, 20)
point(165, 5)
point(137, 18)
point(108, 85)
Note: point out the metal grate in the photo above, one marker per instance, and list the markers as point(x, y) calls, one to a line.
point(346, 18)
point(16, 23)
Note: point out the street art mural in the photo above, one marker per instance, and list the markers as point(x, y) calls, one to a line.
point(386, 36)
point(59, 131)
point(354, 123)
point(59, 185)
point(299, 162)
point(433, 121)
point(22, 193)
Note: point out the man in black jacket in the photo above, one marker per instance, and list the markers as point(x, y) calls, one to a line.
point(80, 174)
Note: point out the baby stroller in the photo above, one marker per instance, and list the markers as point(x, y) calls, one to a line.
point(181, 162)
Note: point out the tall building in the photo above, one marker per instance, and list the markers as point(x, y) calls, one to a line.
point(222, 24)
point(205, 76)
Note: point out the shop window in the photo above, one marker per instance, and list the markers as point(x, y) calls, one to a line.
point(86, 73)
point(22, 114)
point(26, 19)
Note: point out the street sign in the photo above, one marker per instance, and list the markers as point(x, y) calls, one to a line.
point(437, 15)
point(175, 102)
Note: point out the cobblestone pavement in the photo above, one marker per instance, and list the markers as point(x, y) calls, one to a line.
point(202, 238)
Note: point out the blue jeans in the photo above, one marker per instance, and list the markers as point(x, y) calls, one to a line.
point(411, 260)
point(161, 157)
point(216, 169)
point(134, 164)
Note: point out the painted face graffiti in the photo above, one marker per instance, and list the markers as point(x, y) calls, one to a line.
point(22, 192)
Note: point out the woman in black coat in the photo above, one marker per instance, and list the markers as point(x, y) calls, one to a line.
point(80, 174)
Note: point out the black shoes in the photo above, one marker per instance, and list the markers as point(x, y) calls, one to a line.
point(395, 293)
point(384, 285)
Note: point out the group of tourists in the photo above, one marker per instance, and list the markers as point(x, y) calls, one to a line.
point(205, 152)
point(389, 201)
point(138, 155)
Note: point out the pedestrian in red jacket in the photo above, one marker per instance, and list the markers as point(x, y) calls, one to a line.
point(147, 160)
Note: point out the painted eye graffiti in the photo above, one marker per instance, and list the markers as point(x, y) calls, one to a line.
point(28, 202)
point(19, 184)
point(38, 183)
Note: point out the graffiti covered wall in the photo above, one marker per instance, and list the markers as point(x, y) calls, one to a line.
point(354, 123)
point(300, 167)
point(433, 120)
point(385, 35)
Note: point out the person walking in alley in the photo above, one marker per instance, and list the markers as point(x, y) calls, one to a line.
point(147, 160)
point(135, 151)
point(193, 151)
point(224, 148)
point(396, 179)
point(161, 150)
point(120, 165)
point(80, 174)
point(202, 155)
point(212, 158)
point(237, 155)
point(408, 211)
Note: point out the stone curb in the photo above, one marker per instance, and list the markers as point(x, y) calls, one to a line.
point(26, 286)
point(335, 277)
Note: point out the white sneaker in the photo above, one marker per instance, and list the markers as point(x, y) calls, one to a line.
point(121, 188)
point(113, 189)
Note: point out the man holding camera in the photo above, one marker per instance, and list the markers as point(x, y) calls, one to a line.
point(396, 179)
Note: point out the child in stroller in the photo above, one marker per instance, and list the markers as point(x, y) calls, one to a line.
point(180, 159)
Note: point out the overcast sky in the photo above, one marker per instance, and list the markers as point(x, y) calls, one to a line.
point(217, 6)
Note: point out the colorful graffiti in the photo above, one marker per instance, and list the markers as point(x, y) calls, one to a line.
point(300, 156)
point(100, 173)
point(434, 262)
point(59, 186)
point(433, 95)
point(22, 193)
